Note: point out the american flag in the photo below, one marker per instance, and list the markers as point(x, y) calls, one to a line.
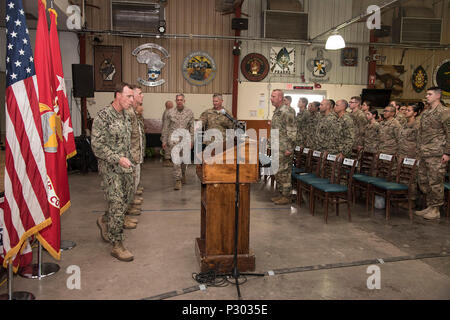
point(25, 208)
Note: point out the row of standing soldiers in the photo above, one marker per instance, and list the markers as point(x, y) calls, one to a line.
point(327, 126)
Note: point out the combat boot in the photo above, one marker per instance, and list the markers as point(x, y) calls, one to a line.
point(140, 188)
point(433, 214)
point(138, 192)
point(139, 198)
point(183, 178)
point(131, 220)
point(283, 200)
point(177, 185)
point(423, 212)
point(118, 251)
point(127, 224)
point(167, 163)
point(137, 201)
point(103, 228)
point(276, 198)
point(133, 211)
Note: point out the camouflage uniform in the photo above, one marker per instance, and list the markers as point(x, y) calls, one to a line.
point(176, 119)
point(284, 120)
point(213, 119)
point(328, 134)
point(111, 140)
point(388, 136)
point(164, 119)
point(302, 121)
point(346, 135)
point(401, 118)
point(137, 146)
point(433, 140)
point(311, 127)
point(407, 144)
point(371, 137)
point(360, 124)
point(407, 148)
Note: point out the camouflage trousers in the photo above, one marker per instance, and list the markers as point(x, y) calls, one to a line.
point(118, 190)
point(137, 176)
point(178, 169)
point(283, 176)
point(431, 177)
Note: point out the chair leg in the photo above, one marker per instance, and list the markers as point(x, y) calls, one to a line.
point(388, 206)
point(313, 204)
point(372, 199)
point(326, 208)
point(311, 198)
point(337, 206)
point(349, 210)
point(299, 194)
point(410, 209)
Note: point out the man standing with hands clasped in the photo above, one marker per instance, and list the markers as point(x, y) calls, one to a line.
point(283, 120)
point(433, 144)
point(111, 142)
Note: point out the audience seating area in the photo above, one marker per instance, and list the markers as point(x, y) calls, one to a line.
point(337, 180)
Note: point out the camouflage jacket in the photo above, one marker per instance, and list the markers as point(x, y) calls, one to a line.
point(175, 119)
point(371, 137)
point(164, 119)
point(144, 137)
point(360, 123)
point(346, 137)
point(401, 118)
point(328, 134)
point(284, 120)
point(407, 145)
point(111, 139)
point(213, 119)
point(302, 122)
point(434, 132)
point(388, 136)
point(309, 134)
point(137, 143)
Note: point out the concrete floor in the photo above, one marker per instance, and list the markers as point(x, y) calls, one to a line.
point(310, 259)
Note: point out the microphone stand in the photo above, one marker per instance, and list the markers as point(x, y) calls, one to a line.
point(235, 273)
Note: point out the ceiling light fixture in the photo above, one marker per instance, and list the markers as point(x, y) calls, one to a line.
point(335, 42)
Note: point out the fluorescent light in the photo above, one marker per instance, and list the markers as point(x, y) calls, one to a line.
point(335, 42)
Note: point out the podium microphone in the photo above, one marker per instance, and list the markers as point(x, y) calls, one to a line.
point(235, 122)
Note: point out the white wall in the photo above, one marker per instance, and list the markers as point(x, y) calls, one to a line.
point(255, 96)
point(154, 103)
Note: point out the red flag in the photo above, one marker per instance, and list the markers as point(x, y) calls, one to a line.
point(58, 78)
point(55, 156)
point(24, 208)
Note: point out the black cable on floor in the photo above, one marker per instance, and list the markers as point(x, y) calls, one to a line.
point(213, 279)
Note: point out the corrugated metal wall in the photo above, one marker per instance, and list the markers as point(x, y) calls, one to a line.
point(323, 15)
point(183, 17)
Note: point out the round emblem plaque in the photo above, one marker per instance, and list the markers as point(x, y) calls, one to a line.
point(254, 67)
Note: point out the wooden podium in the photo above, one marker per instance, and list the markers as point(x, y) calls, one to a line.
point(215, 248)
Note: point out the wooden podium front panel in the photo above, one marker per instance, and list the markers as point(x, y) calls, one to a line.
point(218, 218)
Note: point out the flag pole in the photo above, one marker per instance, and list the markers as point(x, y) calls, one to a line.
point(18, 295)
point(39, 270)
